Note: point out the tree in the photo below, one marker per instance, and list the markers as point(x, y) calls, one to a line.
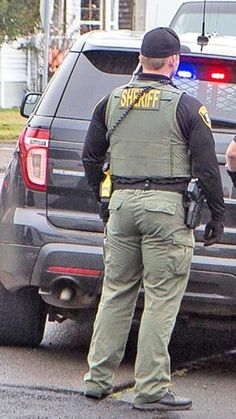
point(18, 19)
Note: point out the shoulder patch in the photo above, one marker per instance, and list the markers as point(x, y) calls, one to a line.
point(204, 115)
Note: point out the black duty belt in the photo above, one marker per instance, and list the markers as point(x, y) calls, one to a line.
point(149, 185)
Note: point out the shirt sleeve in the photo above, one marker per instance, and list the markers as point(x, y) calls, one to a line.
point(194, 123)
point(232, 176)
point(95, 147)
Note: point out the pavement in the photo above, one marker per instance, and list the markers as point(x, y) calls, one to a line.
point(210, 384)
point(6, 151)
point(47, 382)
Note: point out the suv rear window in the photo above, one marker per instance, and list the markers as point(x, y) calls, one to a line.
point(95, 68)
point(84, 79)
point(113, 62)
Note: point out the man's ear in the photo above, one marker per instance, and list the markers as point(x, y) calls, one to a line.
point(171, 61)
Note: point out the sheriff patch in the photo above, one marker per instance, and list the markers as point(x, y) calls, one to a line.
point(204, 115)
point(149, 99)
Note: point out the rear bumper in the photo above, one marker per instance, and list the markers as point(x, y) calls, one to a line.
point(211, 289)
point(31, 248)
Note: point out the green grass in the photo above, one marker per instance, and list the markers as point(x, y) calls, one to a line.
point(11, 124)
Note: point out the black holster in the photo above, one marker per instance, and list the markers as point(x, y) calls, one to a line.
point(193, 203)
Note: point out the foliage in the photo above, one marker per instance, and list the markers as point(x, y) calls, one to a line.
point(11, 124)
point(18, 18)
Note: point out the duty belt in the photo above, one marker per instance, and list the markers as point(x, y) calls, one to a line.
point(149, 185)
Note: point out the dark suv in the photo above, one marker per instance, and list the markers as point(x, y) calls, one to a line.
point(51, 236)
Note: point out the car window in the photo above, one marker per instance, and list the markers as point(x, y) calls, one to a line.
point(51, 97)
point(220, 18)
point(95, 75)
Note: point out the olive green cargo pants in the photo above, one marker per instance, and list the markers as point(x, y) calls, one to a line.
point(146, 243)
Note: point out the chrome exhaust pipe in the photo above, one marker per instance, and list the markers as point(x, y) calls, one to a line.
point(66, 294)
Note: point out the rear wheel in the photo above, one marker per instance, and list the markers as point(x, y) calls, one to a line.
point(22, 317)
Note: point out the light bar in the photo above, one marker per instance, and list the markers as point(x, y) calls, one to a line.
point(212, 72)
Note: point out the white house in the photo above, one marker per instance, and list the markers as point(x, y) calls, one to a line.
point(13, 75)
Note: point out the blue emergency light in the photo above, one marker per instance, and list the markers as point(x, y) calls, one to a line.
point(186, 71)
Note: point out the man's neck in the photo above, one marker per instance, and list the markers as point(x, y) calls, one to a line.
point(163, 72)
point(153, 76)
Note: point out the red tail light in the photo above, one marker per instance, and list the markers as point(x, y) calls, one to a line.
point(33, 144)
point(74, 271)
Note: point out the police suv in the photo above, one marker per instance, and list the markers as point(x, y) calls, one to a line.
point(51, 236)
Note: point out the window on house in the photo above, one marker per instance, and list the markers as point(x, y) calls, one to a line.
point(91, 15)
point(98, 14)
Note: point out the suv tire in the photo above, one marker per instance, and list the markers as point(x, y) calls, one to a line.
point(22, 317)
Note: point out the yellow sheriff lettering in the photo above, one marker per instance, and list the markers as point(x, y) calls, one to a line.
point(149, 100)
point(156, 97)
point(141, 102)
point(135, 94)
point(129, 96)
point(123, 98)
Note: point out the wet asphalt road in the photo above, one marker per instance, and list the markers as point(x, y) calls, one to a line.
point(48, 382)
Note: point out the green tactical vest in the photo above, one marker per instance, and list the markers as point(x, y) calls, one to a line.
point(147, 143)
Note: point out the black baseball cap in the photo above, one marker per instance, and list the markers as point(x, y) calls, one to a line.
point(160, 43)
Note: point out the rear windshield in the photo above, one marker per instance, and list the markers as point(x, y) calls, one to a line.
point(96, 73)
point(220, 18)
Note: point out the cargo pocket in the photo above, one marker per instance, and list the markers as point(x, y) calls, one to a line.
point(114, 222)
point(159, 216)
point(164, 207)
point(181, 253)
point(115, 203)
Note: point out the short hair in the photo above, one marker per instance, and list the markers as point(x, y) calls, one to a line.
point(153, 63)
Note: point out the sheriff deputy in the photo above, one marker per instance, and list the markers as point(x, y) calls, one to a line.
point(159, 138)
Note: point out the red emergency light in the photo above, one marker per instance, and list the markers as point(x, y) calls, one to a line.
point(218, 75)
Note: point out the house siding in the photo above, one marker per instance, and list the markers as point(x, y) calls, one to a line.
point(13, 75)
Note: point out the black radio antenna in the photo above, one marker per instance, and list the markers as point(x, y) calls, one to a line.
point(203, 38)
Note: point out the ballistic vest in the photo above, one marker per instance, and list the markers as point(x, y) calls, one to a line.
point(147, 143)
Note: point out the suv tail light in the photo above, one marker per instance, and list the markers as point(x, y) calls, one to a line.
point(33, 144)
